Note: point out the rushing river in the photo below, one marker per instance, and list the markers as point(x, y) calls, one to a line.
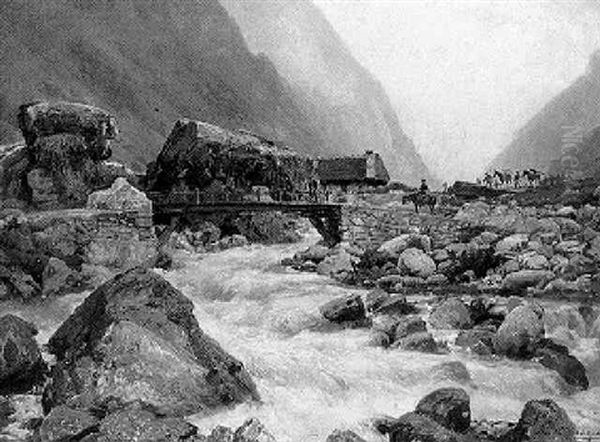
point(313, 379)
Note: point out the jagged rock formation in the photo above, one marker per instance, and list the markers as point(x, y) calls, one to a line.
point(569, 115)
point(350, 106)
point(222, 163)
point(63, 160)
point(136, 338)
point(150, 63)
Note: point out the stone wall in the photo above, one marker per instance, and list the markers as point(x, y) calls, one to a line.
point(368, 226)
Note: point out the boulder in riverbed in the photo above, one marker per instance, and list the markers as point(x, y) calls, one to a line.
point(520, 331)
point(136, 338)
point(543, 421)
point(348, 308)
point(450, 314)
point(344, 436)
point(449, 407)
point(415, 427)
point(556, 357)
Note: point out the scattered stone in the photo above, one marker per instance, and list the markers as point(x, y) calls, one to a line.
point(396, 304)
point(422, 342)
point(315, 253)
point(449, 407)
point(21, 364)
point(520, 331)
point(375, 298)
point(416, 263)
point(521, 280)
point(512, 243)
point(348, 308)
point(252, 431)
point(450, 314)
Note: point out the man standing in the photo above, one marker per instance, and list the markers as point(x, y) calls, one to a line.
point(424, 187)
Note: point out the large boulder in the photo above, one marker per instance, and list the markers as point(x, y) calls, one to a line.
point(348, 308)
point(449, 407)
point(520, 332)
point(121, 196)
point(136, 338)
point(451, 313)
point(333, 265)
point(43, 119)
point(415, 262)
point(419, 341)
point(544, 421)
point(64, 423)
point(21, 364)
point(416, 427)
point(344, 436)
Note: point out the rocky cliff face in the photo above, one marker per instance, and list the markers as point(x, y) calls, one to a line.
point(570, 114)
point(351, 108)
point(150, 63)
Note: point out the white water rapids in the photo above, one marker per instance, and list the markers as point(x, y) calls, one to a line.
point(313, 381)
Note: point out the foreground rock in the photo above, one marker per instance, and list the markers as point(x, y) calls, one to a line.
point(543, 421)
point(449, 407)
point(450, 314)
point(21, 364)
point(136, 338)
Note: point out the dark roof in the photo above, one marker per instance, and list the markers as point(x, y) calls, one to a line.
point(352, 170)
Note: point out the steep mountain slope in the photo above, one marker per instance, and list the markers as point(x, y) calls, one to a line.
point(349, 104)
point(539, 142)
point(148, 62)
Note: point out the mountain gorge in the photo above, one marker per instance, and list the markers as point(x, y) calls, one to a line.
point(152, 62)
point(349, 105)
point(149, 63)
point(575, 110)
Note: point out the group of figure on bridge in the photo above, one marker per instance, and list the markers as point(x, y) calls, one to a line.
point(508, 179)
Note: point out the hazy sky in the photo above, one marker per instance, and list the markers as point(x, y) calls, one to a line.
point(464, 75)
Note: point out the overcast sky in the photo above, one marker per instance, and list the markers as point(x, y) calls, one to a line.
point(464, 75)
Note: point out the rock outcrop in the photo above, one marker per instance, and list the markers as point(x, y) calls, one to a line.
point(136, 338)
point(21, 364)
point(63, 160)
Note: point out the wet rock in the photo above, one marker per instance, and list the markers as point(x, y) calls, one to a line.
point(66, 424)
point(479, 340)
point(232, 241)
point(344, 436)
point(21, 364)
point(534, 261)
point(450, 314)
point(348, 308)
point(422, 342)
point(544, 421)
point(409, 325)
point(416, 263)
point(449, 407)
point(252, 431)
point(120, 196)
point(556, 357)
point(520, 331)
point(415, 427)
point(136, 338)
point(521, 280)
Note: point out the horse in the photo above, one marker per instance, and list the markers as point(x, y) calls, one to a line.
point(420, 199)
point(533, 176)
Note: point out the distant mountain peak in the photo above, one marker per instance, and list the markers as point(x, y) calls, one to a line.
point(594, 64)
